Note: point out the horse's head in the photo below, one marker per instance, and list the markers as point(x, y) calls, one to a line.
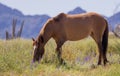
point(45, 34)
point(38, 50)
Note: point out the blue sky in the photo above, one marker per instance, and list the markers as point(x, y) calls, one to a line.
point(53, 7)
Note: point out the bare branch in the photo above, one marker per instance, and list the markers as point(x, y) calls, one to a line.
point(13, 27)
point(20, 31)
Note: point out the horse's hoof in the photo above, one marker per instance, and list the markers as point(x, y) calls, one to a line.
point(99, 64)
point(107, 63)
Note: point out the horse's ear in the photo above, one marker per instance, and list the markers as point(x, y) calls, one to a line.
point(33, 39)
point(41, 39)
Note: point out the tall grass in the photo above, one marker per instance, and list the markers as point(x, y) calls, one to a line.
point(16, 56)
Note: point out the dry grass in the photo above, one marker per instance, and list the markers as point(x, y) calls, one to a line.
point(16, 56)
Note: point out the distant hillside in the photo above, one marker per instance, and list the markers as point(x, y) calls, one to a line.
point(114, 20)
point(34, 23)
point(77, 11)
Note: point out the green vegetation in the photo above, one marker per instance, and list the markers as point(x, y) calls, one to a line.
point(81, 58)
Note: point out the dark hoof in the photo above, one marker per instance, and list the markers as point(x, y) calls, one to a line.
point(99, 63)
point(61, 63)
point(106, 62)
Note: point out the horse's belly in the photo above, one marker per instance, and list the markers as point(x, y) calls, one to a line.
point(73, 36)
point(78, 29)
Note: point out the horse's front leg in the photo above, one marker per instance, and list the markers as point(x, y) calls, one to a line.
point(59, 51)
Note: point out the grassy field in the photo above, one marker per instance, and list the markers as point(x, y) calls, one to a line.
point(81, 58)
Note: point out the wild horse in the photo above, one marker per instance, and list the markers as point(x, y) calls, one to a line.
point(65, 27)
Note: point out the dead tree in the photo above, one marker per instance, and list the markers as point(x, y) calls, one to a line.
point(13, 35)
point(116, 31)
point(20, 30)
point(13, 28)
point(7, 35)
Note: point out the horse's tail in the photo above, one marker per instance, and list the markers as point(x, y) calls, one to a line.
point(105, 38)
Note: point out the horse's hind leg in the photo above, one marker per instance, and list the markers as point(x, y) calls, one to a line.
point(59, 50)
point(99, 44)
point(104, 55)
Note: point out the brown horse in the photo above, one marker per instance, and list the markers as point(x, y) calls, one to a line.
point(65, 27)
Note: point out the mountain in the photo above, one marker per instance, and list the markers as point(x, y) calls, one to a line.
point(6, 10)
point(77, 10)
point(32, 24)
point(114, 20)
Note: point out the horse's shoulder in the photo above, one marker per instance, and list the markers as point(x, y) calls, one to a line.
point(62, 14)
point(59, 17)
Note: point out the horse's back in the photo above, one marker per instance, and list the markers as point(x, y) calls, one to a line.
point(81, 25)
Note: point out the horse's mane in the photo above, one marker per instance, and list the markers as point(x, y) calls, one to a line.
point(59, 17)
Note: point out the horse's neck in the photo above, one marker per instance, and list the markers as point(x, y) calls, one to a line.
point(44, 37)
point(46, 33)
